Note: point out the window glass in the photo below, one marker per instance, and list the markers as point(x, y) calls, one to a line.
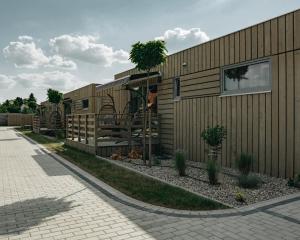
point(85, 103)
point(176, 87)
point(247, 78)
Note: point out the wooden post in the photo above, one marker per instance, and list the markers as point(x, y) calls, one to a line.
point(95, 132)
point(129, 126)
point(150, 132)
point(73, 127)
point(144, 127)
point(79, 133)
point(86, 130)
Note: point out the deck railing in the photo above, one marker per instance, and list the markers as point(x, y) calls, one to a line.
point(104, 129)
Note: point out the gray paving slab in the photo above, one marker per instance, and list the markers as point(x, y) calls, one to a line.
point(42, 199)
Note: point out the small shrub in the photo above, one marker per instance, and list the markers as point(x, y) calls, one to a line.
point(294, 182)
point(214, 136)
point(156, 161)
point(240, 197)
point(212, 171)
point(180, 162)
point(291, 182)
point(244, 163)
point(249, 181)
point(60, 134)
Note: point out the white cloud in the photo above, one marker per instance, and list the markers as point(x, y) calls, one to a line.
point(6, 82)
point(63, 81)
point(25, 54)
point(60, 62)
point(179, 38)
point(86, 48)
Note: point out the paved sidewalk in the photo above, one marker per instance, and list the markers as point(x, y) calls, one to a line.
point(42, 199)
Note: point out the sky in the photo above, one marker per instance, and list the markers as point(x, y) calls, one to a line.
point(66, 44)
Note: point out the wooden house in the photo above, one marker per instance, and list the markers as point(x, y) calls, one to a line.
point(247, 81)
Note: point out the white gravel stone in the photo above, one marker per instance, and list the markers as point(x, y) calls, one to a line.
point(197, 181)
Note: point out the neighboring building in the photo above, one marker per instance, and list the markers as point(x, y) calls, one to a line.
point(247, 81)
point(81, 100)
point(78, 101)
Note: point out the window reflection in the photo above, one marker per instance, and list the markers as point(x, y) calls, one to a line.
point(254, 76)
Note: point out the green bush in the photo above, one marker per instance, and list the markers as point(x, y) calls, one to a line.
point(180, 162)
point(240, 197)
point(249, 181)
point(294, 182)
point(244, 163)
point(156, 161)
point(214, 136)
point(60, 134)
point(212, 171)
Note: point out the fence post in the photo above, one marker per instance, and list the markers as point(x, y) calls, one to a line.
point(73, 127)
point(129, 124)
point(79, 134)
point(86, 130)
point(95, 132)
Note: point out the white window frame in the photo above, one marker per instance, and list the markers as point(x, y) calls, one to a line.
point(245, 91)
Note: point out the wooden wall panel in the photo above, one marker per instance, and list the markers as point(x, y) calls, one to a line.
point(262, 133)
point(275, 125)
point(248, 44)
point(297, 113)
point(289, 32)
point(290, 113)
point(297, 30)
point(260, 40)
point(281, 34)
point(242, 45)
point(282, 114)
point(254, 42)
point(267, 38)
point(274, 36)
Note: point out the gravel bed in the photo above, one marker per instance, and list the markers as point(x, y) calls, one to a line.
point(196, 180)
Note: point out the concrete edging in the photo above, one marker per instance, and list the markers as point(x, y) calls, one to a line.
point(130, 202)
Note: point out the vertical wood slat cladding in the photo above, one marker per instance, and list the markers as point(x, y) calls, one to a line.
point(266, 125)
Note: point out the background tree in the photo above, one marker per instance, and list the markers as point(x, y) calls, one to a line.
point(31, 102)
point(147, 56)
point(55, 97)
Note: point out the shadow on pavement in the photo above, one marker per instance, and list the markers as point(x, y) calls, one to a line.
point(20, 216)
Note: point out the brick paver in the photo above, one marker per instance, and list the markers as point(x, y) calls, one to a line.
point(42, 199)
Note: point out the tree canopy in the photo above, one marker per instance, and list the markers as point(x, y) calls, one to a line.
point(54, 96)
point(148, 55)
point(19, 105)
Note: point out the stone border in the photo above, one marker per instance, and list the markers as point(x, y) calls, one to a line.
point(130, 202)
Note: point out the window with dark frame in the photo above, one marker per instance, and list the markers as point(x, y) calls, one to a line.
point(85, 103)
point(248, 77)
point(176, 84)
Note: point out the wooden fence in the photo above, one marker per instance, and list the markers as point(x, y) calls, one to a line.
point(114, 131)
point(16, 119)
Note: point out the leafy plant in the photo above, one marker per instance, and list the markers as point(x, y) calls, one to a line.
point(214, 136)
point(244, 163)
point(249, 181)
point(212, 171)
point(240, 197)
point(156, 161)
point(294, 182)
point(180, 163)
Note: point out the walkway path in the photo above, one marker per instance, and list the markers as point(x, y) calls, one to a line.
point(42, 199)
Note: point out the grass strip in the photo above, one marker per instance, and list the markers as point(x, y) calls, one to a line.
point(130, 183)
